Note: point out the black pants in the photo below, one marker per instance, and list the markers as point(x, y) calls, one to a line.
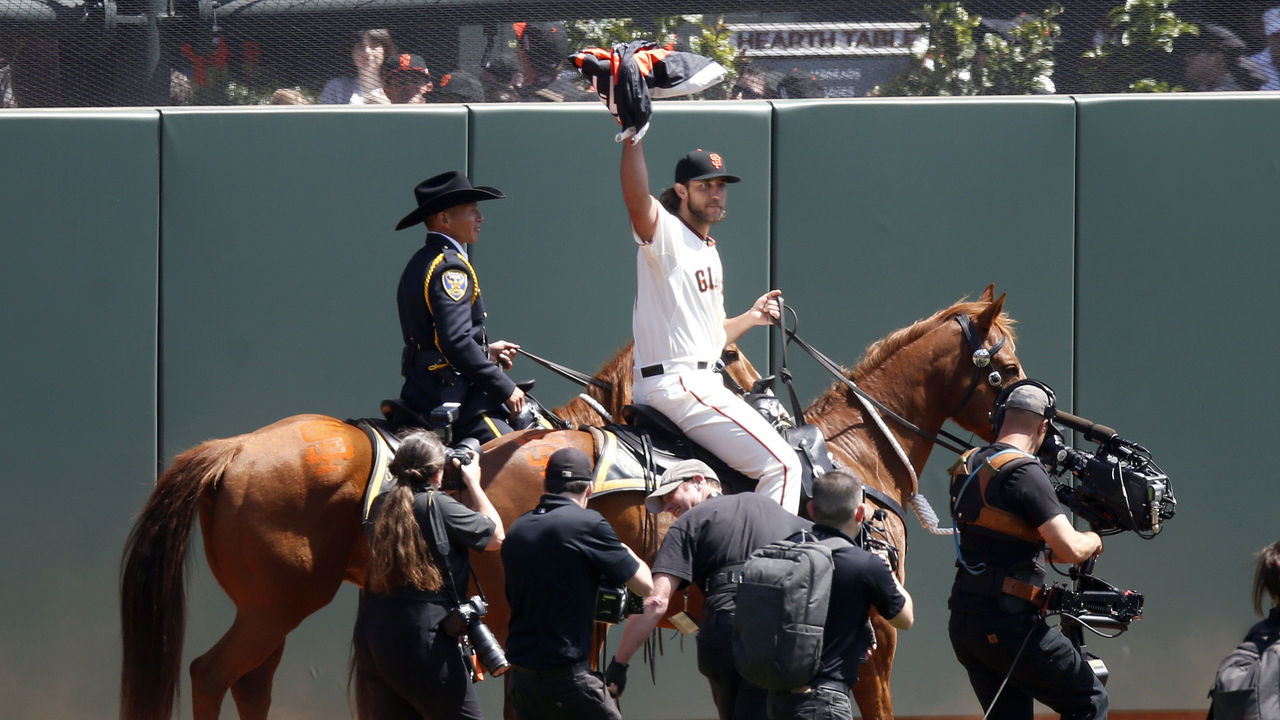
point(406, 667)
point(1050, 668)
point(573, 693)
point(735, 698)
point(479, 416)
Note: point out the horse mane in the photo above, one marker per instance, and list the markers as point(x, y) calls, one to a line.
point(615, 371)
point(879, 352)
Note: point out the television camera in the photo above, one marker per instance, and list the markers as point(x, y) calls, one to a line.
point(1115, 489)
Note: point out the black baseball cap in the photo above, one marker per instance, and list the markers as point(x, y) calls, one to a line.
point(702, 165)
point(567, 465)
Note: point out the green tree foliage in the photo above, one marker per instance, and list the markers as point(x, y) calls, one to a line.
point(954, 60)
point(1137, 53)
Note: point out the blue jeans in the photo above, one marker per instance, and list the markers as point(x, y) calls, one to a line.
point(821, 703)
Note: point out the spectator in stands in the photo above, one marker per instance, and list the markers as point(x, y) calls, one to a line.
point(289, 96)
point(1213, 61)
point(458, 86)
point(500, 80)
point(752, 84)
point(542, 49)
point(1265, 61)
point(798, 84)
point(369, 49)
point(407, 79)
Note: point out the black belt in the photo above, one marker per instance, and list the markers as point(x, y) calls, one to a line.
point(574, 669)
point(657, 369)
point(828, 683)
point(726, 580)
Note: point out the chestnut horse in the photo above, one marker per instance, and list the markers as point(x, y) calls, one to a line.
point(279, 510)
point(925, 373)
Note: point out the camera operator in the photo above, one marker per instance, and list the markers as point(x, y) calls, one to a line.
point(1005, 511)
point(712, 537)
point(555, 558)
point(406, 664)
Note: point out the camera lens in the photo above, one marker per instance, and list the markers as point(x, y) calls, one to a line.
point(487, 648)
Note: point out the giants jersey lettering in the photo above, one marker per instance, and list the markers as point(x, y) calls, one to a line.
point(679, 308)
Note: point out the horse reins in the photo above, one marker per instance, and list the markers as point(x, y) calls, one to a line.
point(568, 373)
point(876, 407)
point(981, 358)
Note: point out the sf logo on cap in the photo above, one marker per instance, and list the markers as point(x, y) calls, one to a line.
point(716, 160)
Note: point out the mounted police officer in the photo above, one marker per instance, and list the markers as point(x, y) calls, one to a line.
point(447, 357)
point(1006, 511)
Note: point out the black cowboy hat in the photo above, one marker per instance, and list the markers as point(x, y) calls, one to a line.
point(444, 191)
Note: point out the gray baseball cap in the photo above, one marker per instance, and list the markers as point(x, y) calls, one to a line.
point(671, 479)
point(1032, 399)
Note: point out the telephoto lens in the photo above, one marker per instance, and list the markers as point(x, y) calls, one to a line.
point(487, 648)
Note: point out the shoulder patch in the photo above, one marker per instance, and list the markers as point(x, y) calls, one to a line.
point(455, 284)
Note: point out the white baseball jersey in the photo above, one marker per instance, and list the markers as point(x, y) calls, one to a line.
point(679, 309)
point(678, 320)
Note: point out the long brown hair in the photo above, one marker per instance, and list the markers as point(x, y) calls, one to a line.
point(399, 556)
point(1266, 578)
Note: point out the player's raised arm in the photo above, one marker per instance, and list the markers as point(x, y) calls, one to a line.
point(641, 205)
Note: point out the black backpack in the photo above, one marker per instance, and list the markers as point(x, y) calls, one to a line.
point(781, 607)
point(1247, 686)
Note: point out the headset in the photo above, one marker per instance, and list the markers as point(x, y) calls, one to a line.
point(998, 410)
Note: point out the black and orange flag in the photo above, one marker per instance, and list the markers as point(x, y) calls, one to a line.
point(628, 76)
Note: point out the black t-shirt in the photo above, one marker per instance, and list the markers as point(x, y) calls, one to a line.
point(859, 581)
point(1024, 491)
point(555, 557)
point(720, 531)
point(465, 529)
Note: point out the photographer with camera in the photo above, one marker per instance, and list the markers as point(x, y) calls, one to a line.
point(1006, 511)
point(407, 658)
point(556, 558)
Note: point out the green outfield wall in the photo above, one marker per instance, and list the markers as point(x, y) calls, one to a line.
point(177, 275)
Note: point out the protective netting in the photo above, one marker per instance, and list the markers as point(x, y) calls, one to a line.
point(89, 53)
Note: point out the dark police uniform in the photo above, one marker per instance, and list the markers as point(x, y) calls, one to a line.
point(416, 669)
point(446, 354)
point(555, 557)
point(708, 545)
point(995, 600)
point(859, 581)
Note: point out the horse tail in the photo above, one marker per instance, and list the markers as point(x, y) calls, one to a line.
point(152, 586)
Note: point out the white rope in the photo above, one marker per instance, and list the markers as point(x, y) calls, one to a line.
point(591, 402)
point(924, 511)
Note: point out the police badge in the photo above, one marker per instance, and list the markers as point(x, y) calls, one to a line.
point(455, 284)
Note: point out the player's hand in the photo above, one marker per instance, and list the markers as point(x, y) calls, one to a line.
point(503, 353)
point(615, 677)
point(765, 310)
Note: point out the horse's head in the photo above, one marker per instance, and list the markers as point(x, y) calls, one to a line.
point(738, 367)
point(985, 363)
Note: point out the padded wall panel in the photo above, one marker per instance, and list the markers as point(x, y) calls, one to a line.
point(78, 358)
point(1176, 349)
point(888, 211)
point(280, 265)
point(557, 256)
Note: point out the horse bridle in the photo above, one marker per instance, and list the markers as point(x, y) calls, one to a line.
point(981, 357)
